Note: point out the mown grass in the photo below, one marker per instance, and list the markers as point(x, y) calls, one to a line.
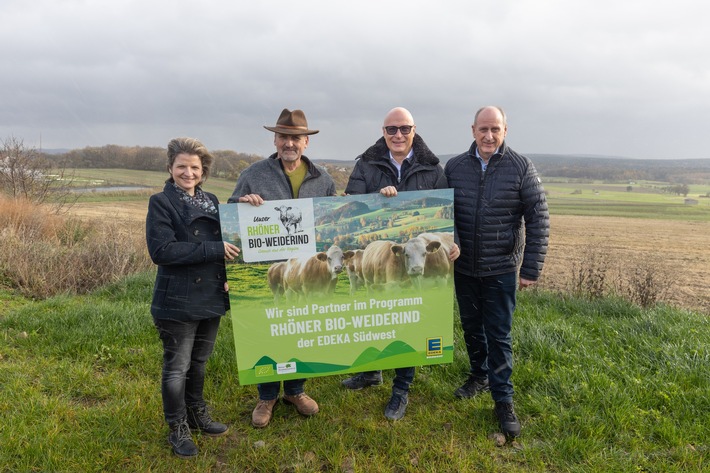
point(607, 208)
point(613, 200)
point(222, 188)
point(600, 386)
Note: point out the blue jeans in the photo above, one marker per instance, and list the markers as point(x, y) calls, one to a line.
point(270, 391)
point(186, 348)
point(486, 308)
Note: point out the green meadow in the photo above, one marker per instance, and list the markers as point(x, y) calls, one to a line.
point(602, 385)
point(152, 180)
point(637, 200)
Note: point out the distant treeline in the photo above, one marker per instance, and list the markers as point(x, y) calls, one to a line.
point(229, 164)
point(616, 169)
point(681, 171)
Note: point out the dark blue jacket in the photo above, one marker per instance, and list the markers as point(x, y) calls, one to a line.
point(501, 215)
point(373, 170)
point(186, 244)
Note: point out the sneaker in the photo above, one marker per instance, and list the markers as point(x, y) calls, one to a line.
point(198, 418)
point(472, 387)
point(509, 423)
point(180, 439)
point(262, 413)
point(397, 405)
point(363, 380)
point(304, 404)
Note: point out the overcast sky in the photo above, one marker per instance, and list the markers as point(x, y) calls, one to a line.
point(605, 77)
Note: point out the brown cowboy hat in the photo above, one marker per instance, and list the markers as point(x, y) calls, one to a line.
point(291, 123)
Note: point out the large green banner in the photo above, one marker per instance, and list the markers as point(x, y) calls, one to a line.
point(337, 285)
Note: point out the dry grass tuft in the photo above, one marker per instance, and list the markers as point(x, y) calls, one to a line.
point(44, 254)
point(597, 273)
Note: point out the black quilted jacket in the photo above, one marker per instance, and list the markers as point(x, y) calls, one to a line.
point(373, 170)
point(502, 220)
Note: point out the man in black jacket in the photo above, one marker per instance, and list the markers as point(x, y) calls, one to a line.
point(502, 224)
point(399, 161)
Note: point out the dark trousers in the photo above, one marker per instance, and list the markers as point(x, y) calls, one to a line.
point(486, 308)
point(186, 348)
point(270, 391)
point(403, 377)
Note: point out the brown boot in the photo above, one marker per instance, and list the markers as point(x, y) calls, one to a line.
point(261, 415)
point(304, 404)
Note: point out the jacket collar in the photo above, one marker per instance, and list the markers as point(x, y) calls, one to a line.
point(312, 169)
point(379, 151)
point(188, 213)
point(501, 151)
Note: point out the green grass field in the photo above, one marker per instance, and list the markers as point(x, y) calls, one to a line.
point(600, 387)
point(127, 177)
point(645, 200)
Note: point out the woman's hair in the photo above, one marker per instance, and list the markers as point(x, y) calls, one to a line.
point(190, 146)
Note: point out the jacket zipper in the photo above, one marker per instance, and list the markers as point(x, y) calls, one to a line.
point(477, 226)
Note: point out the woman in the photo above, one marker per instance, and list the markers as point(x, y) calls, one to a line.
point(190, 295)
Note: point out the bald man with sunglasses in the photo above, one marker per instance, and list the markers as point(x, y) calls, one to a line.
point(398, 161)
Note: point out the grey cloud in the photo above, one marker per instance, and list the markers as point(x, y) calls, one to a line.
point(598, 77)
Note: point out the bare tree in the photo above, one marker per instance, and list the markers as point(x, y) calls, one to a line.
point(26, 174)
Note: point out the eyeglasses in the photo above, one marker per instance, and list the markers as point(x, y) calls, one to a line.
point(405, 129)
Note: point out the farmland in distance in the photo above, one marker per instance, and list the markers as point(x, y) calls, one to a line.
point(632, 223)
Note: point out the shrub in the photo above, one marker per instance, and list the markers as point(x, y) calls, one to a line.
point(589, 275)
point(27, 174)
point(600, 273)
point(44, 254)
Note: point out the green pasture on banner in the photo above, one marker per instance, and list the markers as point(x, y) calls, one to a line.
point(341, 284)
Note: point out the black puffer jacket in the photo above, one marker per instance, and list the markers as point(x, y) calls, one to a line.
point(491, 209)
point(186, 244)
point(373, 170)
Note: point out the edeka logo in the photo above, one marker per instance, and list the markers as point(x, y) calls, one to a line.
point(434, 347)
point(286, 368)
point(264, 370)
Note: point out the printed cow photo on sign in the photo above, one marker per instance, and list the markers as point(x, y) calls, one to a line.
point(369, 287)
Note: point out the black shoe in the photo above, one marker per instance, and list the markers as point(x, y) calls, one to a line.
point(363, 380)
point(509, 423)
point(398, 404)
point(199, 418)
point(180, 439)
point(472, 387)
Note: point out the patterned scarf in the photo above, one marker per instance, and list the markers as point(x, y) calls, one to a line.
point(199, 200)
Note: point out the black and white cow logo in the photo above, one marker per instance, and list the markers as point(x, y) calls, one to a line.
point(290, 218)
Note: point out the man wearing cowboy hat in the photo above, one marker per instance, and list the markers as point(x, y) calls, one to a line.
point(286, 174)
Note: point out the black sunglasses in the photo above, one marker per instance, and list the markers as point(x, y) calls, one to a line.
point(405, 129)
